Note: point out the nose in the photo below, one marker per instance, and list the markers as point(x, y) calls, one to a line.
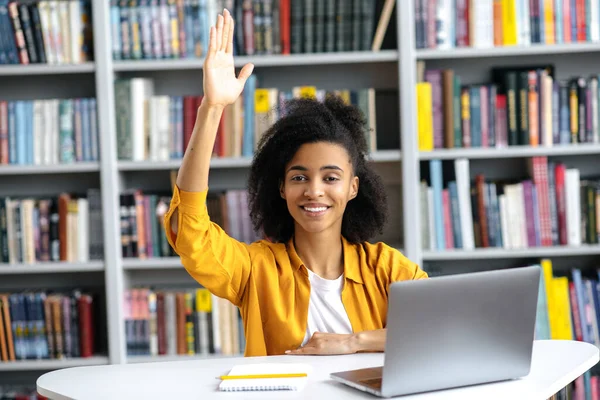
point(314, 189)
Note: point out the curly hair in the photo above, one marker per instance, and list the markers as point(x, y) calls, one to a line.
point(309, 121)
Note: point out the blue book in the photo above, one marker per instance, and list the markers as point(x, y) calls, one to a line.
point(86, 134)
point(204, 24)
point(456, 231)
point(475, 111)
point(435, 170)
point(558, 22)
point(29, 144)
point(542, 23)
point(573, 21)
point(248, 136)
point(21, 131)
point(94, 144)
point(7, 32)
point(579, 291)
point(115, 24)
point(542, 325)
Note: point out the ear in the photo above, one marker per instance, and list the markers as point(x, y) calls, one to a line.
point(354, 187)
point(282, 190)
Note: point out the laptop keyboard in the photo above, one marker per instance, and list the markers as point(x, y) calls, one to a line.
point(374, 383)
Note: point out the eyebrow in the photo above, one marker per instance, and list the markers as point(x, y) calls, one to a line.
point(301, 168)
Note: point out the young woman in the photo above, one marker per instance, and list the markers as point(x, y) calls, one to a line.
point(317, 286)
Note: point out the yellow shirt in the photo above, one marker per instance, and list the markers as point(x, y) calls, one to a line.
point(269, 283)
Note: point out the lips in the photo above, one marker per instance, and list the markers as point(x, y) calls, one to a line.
point(314, 210)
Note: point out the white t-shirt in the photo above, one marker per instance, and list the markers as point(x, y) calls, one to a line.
point(326, 313)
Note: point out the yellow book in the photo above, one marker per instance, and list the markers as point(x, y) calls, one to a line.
point(574, 111)
point(174, 23)
point(309, 92)
point(261, 114)
point(424, 116)
point(549, 21)
point(562, 329)
point(203, 300)
point(509, 22)
point(550, 288)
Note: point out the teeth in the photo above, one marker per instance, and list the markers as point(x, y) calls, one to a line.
point(317, 209)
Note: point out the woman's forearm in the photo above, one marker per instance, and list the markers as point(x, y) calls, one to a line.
point(193, 173)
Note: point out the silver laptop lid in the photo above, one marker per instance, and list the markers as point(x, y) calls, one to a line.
point(459, 330)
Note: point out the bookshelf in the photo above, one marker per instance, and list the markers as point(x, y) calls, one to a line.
point(510, 152)
point(45, 69)
point(391, 71)
point(48, 365)
point(343, 58)
point(508, 51)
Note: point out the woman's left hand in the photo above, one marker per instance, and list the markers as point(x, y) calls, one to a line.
point(327, 343)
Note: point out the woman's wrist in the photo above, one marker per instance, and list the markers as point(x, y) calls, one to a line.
point(357, 342)
point(211, 107)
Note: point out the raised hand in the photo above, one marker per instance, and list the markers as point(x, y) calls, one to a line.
point(221, 86)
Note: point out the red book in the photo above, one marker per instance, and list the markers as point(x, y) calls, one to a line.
point(580, 18)
point(575, 312)
point(481, 210)
point(4, 157)
point(448, 232)
point(189, 119)
point(501, 121)
point(567, 21)
point(538, 167)
point(160, 323)
point(561, 203)
point(284, 25)
point(86, 325)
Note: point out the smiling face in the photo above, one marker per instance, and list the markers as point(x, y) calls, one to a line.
point(318, 183)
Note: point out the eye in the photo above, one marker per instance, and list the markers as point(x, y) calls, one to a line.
point(332, 179)
point(298, 178)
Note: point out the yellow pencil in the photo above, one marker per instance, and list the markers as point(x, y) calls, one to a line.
point(263, 376)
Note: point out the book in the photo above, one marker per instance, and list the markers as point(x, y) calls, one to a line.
point(246, 381)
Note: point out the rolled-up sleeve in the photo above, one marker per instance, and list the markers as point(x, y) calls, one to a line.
point(213, 258)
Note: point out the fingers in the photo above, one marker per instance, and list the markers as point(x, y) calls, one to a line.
point(226, 27)
point(301, 350)
point(219, 31)
point(229, 48)
point(246, 72)
point(212, 42)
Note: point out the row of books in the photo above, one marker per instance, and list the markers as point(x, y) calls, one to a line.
point(446, 24)
point(48, 132)
point(142, 215)
point(63, 228)
point(142, 230)
point(520, 106)
point(47, 325)
point(158, 29)
point(157, 127)
point(569, 309)
point(555, 206)
point(46, 32)
point(185, 322)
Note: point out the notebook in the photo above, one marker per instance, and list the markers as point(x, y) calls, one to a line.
point(260, 384)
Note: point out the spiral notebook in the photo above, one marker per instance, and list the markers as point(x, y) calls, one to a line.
point(260, 384)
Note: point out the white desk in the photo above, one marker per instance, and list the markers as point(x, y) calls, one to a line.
point(555, 364)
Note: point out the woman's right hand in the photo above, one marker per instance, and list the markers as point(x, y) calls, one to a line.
point(221, 87)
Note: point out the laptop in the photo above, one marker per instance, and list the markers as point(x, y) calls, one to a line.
point(453, 331)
